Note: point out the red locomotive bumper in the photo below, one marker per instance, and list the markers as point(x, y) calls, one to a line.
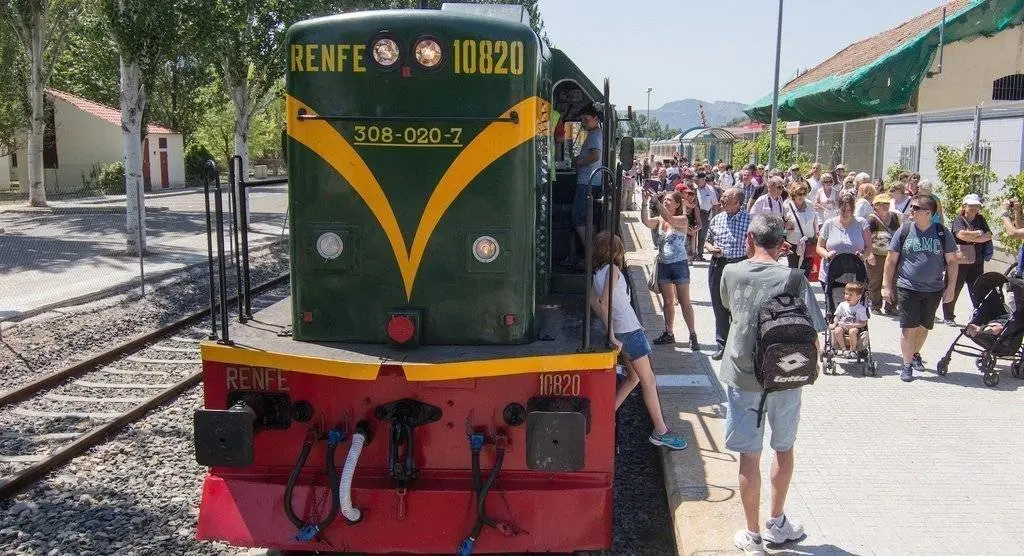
point(555, 513)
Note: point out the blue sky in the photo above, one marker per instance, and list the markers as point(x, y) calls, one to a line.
point(711, 49)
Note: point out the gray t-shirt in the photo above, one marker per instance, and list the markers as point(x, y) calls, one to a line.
point(922, 264)
point(746, 286)
point(843, 240)
point(594, 140)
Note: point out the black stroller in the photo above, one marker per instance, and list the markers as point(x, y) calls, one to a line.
point(842, 270)
point(999, 335)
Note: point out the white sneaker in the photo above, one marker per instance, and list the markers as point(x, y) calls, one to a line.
point(782, 531)
point(748, 545)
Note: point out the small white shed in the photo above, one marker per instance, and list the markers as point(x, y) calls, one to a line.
point(84, 134)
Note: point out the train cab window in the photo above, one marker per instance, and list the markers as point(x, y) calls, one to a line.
point(569, 99)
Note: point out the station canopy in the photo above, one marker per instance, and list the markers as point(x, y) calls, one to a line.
point(881, 74)
point(706, 135)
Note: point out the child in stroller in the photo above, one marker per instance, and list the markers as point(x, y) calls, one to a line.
point(847, 268)
point(996, 332)
point(851, 319)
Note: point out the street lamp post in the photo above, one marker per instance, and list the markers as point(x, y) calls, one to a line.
point(647, 132)
point(775, 93)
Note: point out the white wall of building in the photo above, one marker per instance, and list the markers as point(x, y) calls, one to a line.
point(175, 160)
point(969, 68)
point(5, 172)
point(900, 139)
point(1004, 138)
point(83, 141)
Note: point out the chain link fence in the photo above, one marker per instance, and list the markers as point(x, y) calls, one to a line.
point(872, 145)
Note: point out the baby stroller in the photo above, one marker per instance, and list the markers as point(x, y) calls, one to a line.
point(996, 333)
point(842, 270)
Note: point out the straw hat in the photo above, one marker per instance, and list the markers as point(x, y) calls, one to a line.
point(881, 199)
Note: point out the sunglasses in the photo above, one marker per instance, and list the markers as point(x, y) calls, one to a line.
point(914, 208)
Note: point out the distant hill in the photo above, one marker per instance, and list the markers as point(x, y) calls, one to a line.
point(682, 114)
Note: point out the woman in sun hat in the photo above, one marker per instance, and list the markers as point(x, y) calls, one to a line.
point(884, 224)
point(974, 242)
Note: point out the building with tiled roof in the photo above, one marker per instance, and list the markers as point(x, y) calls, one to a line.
point(897, 70)
point(83, 135)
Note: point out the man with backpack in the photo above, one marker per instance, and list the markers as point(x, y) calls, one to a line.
point(770, 353)
point(922, 260)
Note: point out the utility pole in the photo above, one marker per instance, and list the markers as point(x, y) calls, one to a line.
point(647, 132)
point(775, 93)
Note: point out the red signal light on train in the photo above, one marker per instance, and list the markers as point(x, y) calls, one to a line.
point(401, 328)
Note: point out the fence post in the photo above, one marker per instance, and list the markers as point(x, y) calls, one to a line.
point(817, 144)
point(976, 137)
point(842, 147)
point(875, 169)
point(917, 153)
point(1020, 162)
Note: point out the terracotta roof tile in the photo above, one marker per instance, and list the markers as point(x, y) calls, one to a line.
point(102, 111)
point(863, 52)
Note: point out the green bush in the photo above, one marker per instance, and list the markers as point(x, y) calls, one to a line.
point(1013, 190)
point(196, 156)
point(959, 177)
point(892, 173)
point(111, 179)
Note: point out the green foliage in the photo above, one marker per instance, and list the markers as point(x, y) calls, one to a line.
point(761, 149)
point(14, 107)
point(196, 156)
point(217, 128)
point(88, 65)
point(111, 179)
point(654, 130)
point(892, 173)
point(1013, 190)
point(959, 177)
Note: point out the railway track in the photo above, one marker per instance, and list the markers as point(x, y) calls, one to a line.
point(50, 421)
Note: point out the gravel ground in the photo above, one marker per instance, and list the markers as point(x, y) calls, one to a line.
point(60, 337)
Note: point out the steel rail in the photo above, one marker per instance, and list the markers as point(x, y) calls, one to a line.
point(30, 475)
point(28, 390)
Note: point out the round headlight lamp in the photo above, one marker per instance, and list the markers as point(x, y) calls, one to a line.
point(428, 52)
point(385, 51)
point(329, 245)
point(486, 249)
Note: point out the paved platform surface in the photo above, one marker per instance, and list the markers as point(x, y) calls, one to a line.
point(882, 467)
point(50, 256)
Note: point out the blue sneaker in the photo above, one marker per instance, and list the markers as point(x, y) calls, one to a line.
point(907, 373)
point(917, 363)
point(667, 440)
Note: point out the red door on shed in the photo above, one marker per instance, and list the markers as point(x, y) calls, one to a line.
point(165, 181)
point(146, 181)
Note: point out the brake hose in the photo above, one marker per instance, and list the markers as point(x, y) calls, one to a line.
point(309, 531)
point(476, 441)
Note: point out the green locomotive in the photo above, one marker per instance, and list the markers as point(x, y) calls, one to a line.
point(425, 202)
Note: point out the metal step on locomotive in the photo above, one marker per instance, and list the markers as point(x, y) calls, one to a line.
point(433, 384)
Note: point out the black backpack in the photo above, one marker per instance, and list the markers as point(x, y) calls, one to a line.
point(785, 351)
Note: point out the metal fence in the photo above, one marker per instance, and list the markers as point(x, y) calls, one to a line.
point(75, 249)
point(995, 133)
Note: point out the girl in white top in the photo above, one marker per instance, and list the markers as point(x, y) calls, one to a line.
point(630, 339)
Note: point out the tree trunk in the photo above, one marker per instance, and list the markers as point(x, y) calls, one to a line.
point(243, 119)
point(133, 102)
point(37, 121)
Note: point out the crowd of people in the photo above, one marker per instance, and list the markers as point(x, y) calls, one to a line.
point(757, 229)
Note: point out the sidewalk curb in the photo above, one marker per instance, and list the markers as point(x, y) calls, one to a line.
point(119, 288)
point(75, 209)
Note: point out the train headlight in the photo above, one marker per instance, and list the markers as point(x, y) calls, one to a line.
point(486, 249)
point(385, 52)
point(428, 53)
point(329, 245)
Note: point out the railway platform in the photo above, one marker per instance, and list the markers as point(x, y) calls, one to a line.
point(882, 466)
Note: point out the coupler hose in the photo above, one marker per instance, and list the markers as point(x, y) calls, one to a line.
point(476, 442)
point(310, 531)
point(360, 437)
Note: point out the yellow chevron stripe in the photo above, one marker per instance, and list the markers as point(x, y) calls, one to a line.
point(492, 143)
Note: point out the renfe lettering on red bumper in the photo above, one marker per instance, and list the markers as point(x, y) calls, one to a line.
point(255, 378)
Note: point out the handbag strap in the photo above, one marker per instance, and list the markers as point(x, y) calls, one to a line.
point(792, 208)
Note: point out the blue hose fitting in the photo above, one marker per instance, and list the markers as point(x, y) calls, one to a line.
point(335, 437)
point(466, 547)
point(307, 533)
point(476, 441)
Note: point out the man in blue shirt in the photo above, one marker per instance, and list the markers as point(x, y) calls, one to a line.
point(588, 160)
point(921, 251)
point(726, 242)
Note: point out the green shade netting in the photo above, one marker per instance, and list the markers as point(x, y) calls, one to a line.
point(887, 84)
